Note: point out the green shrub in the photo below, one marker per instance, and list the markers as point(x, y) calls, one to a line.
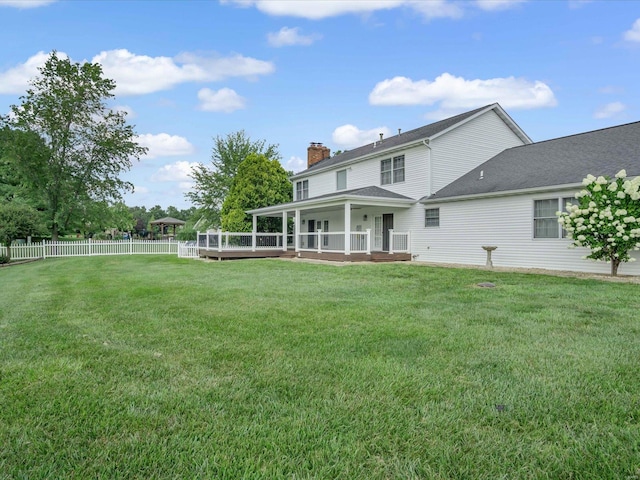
point(4, 259)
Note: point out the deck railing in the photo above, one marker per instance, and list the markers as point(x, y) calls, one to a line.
point(235, 241)
point(319, 241)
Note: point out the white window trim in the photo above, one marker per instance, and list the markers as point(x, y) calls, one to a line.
point(425, 217)
point(560, 207)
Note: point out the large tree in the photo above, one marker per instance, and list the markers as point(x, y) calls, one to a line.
point(259, 182)
point(213, 182)
point(89, 144)
point(605, 218)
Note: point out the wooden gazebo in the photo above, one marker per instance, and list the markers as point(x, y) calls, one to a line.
point(167, 222)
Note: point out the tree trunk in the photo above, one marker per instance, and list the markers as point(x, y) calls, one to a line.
point(615, 263)
point(54, 232)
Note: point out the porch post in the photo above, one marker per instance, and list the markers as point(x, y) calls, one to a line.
point(347, 228)
point(368, 241)
point(296, 231)
point(284, 231)
point(253, 233)
point(319, 242)
point(391, 241)
point(219, 239)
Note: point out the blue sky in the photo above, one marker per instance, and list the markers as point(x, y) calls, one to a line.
point(337, 72)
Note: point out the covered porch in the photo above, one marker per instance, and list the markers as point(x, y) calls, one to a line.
point(350, 226)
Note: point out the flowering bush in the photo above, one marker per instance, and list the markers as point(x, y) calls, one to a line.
point(605, 218)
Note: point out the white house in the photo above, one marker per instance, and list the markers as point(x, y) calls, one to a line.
point(442, 192)
point(366, 201)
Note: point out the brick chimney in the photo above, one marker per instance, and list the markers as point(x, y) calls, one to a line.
point(317, 152)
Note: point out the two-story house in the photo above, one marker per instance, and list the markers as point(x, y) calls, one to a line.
point(443, 193)
point(366, 200)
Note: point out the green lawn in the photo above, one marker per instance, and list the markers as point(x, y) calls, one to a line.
point(156, 367)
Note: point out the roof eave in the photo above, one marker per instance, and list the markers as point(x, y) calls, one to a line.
point(310, 202)
point(505, 193)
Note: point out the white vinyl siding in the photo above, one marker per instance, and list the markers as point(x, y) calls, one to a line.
point(462, 149)
point(505, 222)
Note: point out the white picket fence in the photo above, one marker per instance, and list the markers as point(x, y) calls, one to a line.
point(85, 248)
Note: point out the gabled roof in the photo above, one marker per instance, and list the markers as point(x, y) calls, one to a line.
point(562, 161)
point(412, 136)
point(168, 221)
point(374, 195)
point(372, 191)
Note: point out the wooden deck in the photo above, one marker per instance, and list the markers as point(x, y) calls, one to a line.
point(330, 256)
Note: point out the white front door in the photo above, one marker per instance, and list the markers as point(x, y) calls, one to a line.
point(377, 233)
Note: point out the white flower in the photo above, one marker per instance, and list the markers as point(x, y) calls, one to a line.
point(589, 180)
point(601, 180)
point(597, 188)
point(621, 174)
point(620, 194)
point(613, 186)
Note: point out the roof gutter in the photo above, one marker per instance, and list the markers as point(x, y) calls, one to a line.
point(505, 193)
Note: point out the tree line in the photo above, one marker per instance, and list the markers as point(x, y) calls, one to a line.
point(62, 151)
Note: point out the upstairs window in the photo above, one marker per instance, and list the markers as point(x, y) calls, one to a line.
point(302, 190)
point(341, 180)
point(392, 170)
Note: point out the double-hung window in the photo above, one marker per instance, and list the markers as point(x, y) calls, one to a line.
point(392, 170)
point(341, 180)
point(302, 190)
point(545, 220)
point(432, 217)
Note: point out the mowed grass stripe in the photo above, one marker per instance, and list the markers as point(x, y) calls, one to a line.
point(158, 367)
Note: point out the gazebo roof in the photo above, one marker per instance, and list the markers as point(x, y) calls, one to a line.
point(168, 221)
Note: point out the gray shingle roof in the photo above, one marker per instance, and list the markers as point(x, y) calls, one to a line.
point(360, 192)
point(561, 161)
point(404, 138)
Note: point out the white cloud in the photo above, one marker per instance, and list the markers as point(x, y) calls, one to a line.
point(126, 109)
point(611, 90)
point(456, 93)
point(610, 110)
point(224, 100)
point(140, 189)
point(633, 35)
point(290, 36)
point(141, 74)
point(492, 5)
point(25, 3)
point(295, 164)
point(436, 8)
point(319, 9)
point(16, 79)
point(350, 136)
point(165, 145)
point(575, 4)
point(175, 172)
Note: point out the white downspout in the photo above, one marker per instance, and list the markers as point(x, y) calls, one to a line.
point(425, 142)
